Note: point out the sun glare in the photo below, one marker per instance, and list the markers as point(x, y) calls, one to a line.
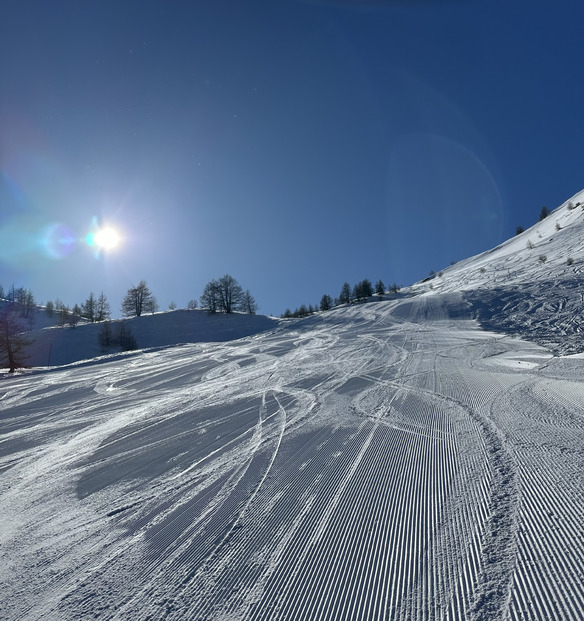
point(106, 238)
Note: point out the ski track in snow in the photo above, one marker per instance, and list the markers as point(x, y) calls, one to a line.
point(384, 461)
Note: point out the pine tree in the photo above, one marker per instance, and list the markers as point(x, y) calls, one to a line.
point(345, 295)
point(326, 302)
point(362, 290)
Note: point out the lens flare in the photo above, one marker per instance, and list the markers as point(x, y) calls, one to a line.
point(58, 241)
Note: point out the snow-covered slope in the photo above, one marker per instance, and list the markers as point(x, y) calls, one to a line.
point(531, 285)
point(54, 345)
point(539, 253)
point(389, 460)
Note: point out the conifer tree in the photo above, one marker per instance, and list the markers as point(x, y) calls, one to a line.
point(326, 302)
point(345, 295)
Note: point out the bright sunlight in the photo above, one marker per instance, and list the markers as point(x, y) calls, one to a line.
point(106, 238)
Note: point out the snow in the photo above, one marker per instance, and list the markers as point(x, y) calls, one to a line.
point(58, 345)
point(394, 459)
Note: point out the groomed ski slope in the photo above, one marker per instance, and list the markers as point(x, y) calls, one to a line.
point(383, 461)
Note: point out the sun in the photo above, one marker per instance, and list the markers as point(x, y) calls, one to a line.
point(106, 238)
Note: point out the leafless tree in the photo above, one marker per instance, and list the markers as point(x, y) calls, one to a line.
point(13, 343)
point(137, 300)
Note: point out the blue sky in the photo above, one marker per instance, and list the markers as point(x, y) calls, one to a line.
point(293, 144)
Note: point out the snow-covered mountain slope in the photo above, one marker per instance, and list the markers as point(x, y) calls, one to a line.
point(528, 286)
point(386, 460)
point(531, 285)
point(389, 460)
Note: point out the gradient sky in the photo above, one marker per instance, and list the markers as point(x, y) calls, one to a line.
point(293, 144)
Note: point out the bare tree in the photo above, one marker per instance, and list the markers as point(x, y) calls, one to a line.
point(230, 294)
point(125, 339)
point(75, 315)
point(226, 295)
point(89, 308)
point(12, 341)
point(151, 306)
point(137, 300)
point(210, 298)
point(248, 303)
point(62, 311)
point(105, 336)
point(102, 311)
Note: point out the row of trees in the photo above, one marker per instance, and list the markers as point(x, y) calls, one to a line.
point(21, 299)
point(360, 292)
point(95, 308)
point(223, 294)
point(17, 305)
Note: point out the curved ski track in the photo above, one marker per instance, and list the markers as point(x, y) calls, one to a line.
point(386, 461)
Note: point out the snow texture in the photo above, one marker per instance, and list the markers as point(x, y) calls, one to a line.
point(389, 460)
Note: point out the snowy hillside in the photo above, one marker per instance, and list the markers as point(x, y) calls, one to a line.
point(54, 345)
point(389, 460)
point(530, 285)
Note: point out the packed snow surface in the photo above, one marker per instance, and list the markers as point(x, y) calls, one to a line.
point(391, 460)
